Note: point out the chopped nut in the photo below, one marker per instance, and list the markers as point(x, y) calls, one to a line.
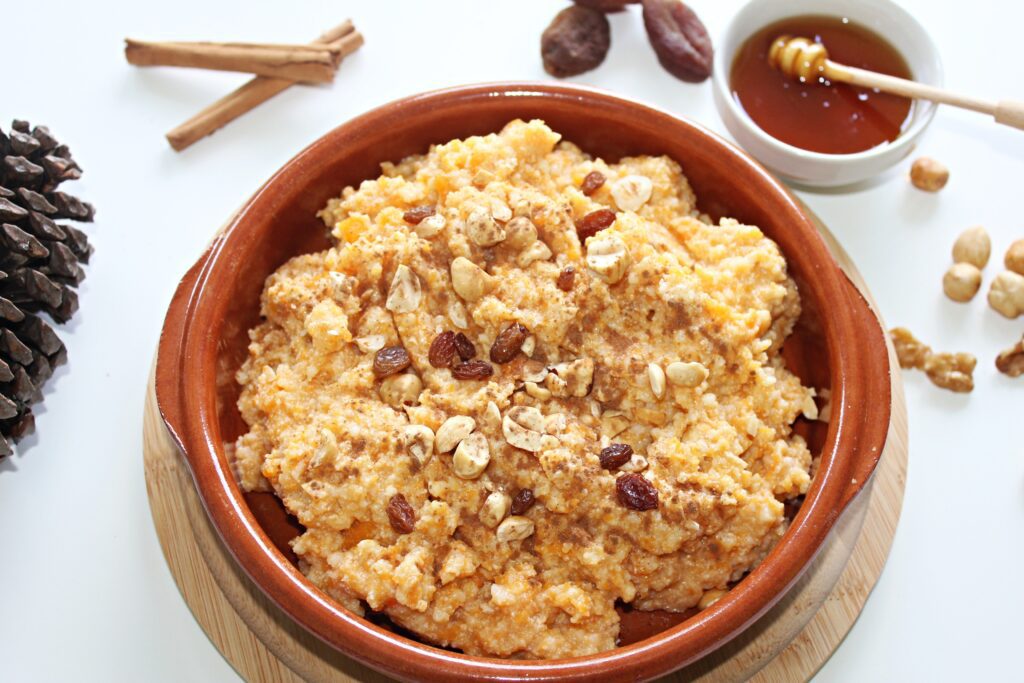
point(635, 492)
point(1014, 259)
point(492, 415)
point(594, 222)
point(500, 210)
point(514, 528)
point(390, 360)
point(972, 246)
point(399, 390)
point(1006, 294)
point(613, 423)
point(442, 350)
point(608, 257)
point(566, 279)
point(1011, 361)
point(631, 192)
point(592, 182)
point(808, 409)
point(615, 456)
point(494, 509)
point(430, 226)
point(572, 378)
point(523, 501)
point(419, 441)
point(536, 391)
point(523, 427)
point(710, 597)
point(405, 293)
point(656, 378)
point(951, 371)
point(371, 343)
point(686, 374)
point(482, 229)
point(537, 251)
point(910, 352)
point(508, 343)
point(401, 515)
point(416, 214)
point(520, 233)
point(471, 456)
point(928, 174)
point(457, 314)
point(961, 282)
point(637, 463)
point(472, 369)
point(533, 371)
point(452, 431)
point(529, 346)
point(469, 280)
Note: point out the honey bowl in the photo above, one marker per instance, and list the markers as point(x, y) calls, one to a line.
point(791, 140)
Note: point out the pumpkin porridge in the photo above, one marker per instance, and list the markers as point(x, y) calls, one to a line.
point(526, 384)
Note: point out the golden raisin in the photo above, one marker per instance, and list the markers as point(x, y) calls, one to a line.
point(390, 360)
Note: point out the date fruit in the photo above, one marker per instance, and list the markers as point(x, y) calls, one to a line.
point(576, 41)
point(679, 39)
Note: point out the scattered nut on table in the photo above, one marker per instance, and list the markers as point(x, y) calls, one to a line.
point(972, 246)
point(961, 282)
point(953, 371)
point(1011, 361)
point(1014, 259)
point(1006, 294)
point(928, 174)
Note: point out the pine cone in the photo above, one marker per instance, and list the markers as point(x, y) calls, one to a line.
point(39, 267)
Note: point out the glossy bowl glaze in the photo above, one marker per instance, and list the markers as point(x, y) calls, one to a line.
point(837, 344)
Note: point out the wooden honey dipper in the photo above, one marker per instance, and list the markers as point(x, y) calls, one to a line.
point(807, 60)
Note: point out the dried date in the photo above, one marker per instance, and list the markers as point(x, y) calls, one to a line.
point(576, 41)
point(592, 182)
point(635, 492)
point(679, 39)
point(508, 343)
point(522, 501)
point(464, 347)
point(417, 214)
point(442, 350)
point(401, 515)
point(566, 279)
point(593, 223)
point(472, 369)
point(615, 456)
point(390, 360)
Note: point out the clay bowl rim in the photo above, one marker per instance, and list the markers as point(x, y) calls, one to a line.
point(188, 353)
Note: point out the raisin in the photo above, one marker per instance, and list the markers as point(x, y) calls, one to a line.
point(566, 279)
point(522, 501)
point(508, 342)
point(615, 456)
point(593, 223)
point(401, 515)
point(679, 39)
point(415, 215)
point(442, 350)
point(389, 360)
point(472, 369)
point(635, 492)
point(464, 347)
point(576, 41)
point(592, 183)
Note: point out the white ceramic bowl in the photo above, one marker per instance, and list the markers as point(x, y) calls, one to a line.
point(814, 169)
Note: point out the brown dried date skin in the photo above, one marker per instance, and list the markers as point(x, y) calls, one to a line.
point(592, 182)
point(401, 515)
point(390, 360)
point(593, 223)
point(523, 501)
point(508, 343)
point(576, 41)
point(415, 215)
point(679, 39)
point(615, 456)
point(566, 279)
point(442, 350)
point(472, 369)
point(464, 347)
point(607, 6)
point(635, 492)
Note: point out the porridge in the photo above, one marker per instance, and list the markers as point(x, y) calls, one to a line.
point(526, 385)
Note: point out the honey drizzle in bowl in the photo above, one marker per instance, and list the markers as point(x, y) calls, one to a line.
point(826, 117)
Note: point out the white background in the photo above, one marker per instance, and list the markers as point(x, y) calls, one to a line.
point(84, 590)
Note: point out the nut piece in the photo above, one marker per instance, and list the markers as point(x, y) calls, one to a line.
point(631, 192)
point(514, 528)
point(401, 515)
point(608, 257)
point(405, 293)
point(710, 597)
point(458, 315)
point(679, 39)
point(910, 352)
point(520, 233)
point(430, 226)
point(523, 427)
point(1011, 361)
point(371, 343)
point(537, 251)
point(686, 374)
point(399, 390)
point(537, 391)
point(419, 442)
point(1006, 294)
point(615, 456)
point(529, 346)
point(482, 229)
point(1014, 259)
point(613, 423)
point(656, 378)
point(390, 360)
point(576, 41)
point(471, 456)
point(523, 501)
point(972, 246)
point(961, 282)
point(928, 174)
point(635, 492)
point(452, 431)
point(572, 378)
point(951, 371)
point(469, 280)
point(637, 463)
point(494, 509)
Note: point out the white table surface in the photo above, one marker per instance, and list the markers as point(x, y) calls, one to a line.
point(84, 591)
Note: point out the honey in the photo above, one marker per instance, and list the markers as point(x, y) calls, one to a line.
point(827, 117)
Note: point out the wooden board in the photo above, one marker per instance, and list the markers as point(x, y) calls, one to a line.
point(791, 642)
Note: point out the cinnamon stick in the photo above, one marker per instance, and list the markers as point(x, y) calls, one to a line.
point(305, 63)
point(255, 92)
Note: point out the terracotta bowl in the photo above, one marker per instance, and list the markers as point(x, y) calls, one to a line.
point(837, 344)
